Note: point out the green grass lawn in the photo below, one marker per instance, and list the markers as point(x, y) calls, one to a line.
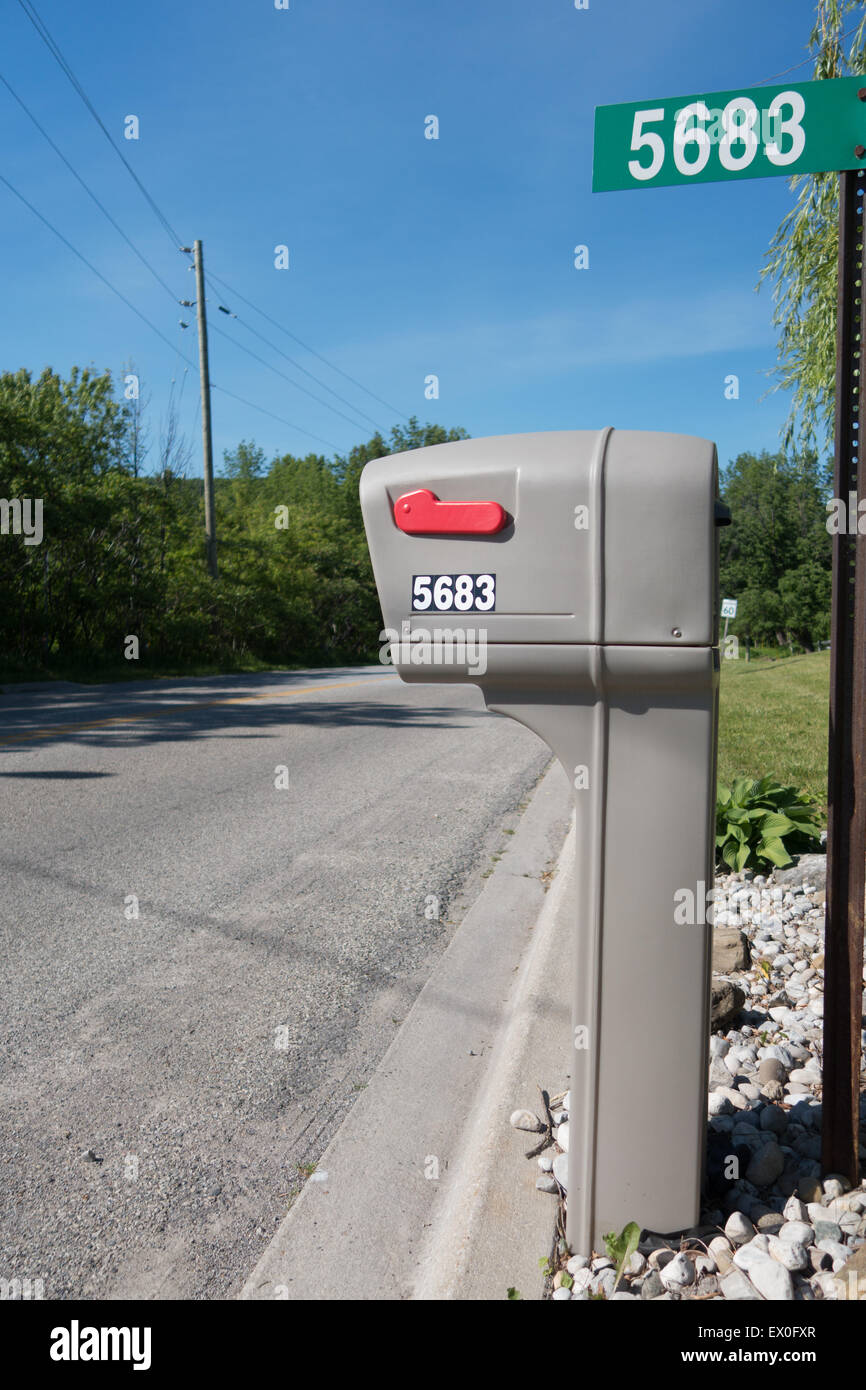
point(773, 718)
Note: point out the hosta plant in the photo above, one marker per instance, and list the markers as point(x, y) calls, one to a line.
point(763, 823)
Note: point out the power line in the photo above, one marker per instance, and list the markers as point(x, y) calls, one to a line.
point(90, 266)
point(265, 363)
point(810, 59)
point(102, 208)
point(306, 346)
point(324, 385)
point(152, 326)
point(281, 418)
point(45, 35)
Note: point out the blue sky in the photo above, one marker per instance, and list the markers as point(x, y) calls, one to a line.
point(408, 256)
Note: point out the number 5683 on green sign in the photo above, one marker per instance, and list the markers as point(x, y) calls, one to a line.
point(798, 128)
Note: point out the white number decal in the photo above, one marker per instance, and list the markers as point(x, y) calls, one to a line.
point(485, 600)
point(739, 131)
point(641, 138)
point(790, 126)
point(463, 594)
point(442, 595)
point(421, 595)
point(690, 134)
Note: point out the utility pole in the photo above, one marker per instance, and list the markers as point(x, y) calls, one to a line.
point(207, 442)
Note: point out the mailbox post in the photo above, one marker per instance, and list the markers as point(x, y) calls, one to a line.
point(573, 577)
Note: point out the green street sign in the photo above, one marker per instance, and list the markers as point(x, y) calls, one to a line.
point(798, 128)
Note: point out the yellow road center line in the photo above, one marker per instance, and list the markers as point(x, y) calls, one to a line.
point(179, 708)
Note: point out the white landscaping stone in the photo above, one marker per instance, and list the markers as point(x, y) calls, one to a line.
point(752, 1253)
point(835, 1209)
point(780, 1053)
point(772, 1280)
point(722, 1253)
point(738, 1228)
point(737, 1101)
point(678, 1273)
point(603, 1282)
point(661, 1257)
point(790, 1253)
point(560, 1170)
point(794, 1210)
point(524, 1119)
point(827, 1283)
point(561, 1137)
point(735, 1286)
point(797, 1232)
point(838, 1253)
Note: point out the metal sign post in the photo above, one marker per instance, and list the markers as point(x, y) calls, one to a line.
point(846, 788)
point(805, 127)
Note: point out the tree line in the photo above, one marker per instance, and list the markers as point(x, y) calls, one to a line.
point(122, 551)
point(776, 557)
point(122, 547)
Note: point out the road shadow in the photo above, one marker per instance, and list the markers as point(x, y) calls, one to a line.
point(50, 776)
point(258, 718)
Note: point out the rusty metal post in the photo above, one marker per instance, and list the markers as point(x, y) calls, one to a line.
point(846, 789)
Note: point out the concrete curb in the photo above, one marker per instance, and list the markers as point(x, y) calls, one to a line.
point(494, 1225)
point(424, 1191)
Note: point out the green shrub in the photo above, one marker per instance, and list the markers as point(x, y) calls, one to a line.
point(763, 822)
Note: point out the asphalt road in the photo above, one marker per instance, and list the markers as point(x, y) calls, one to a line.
point(167, 1076)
